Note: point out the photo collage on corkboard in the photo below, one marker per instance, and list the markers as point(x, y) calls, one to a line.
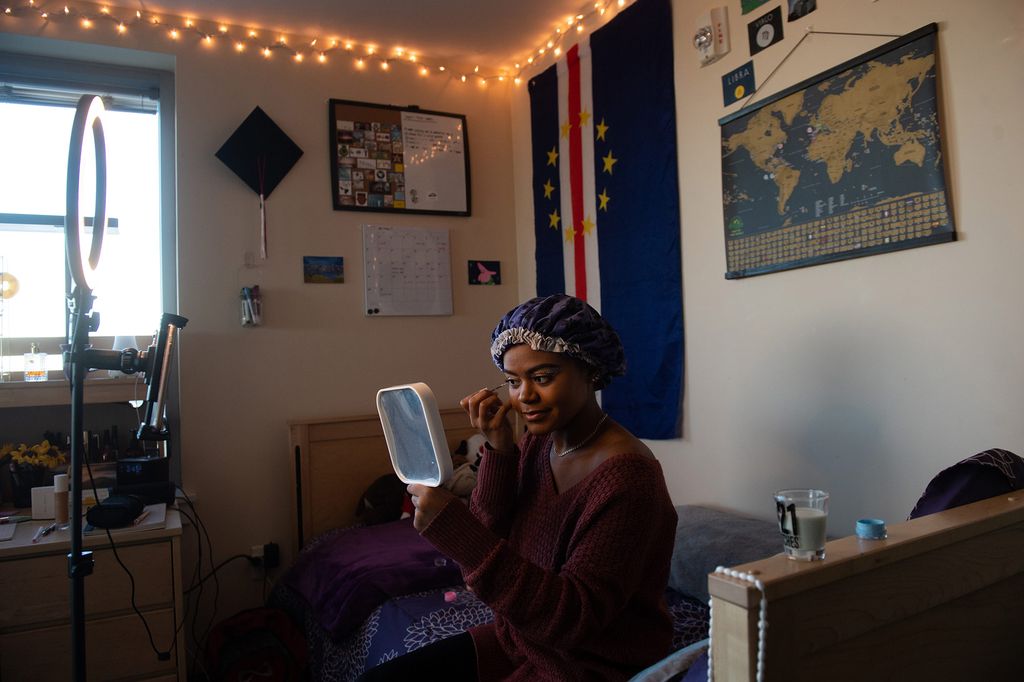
point(371, 171)
point(397, 159)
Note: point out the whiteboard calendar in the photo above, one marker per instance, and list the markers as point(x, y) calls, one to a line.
point(407, 270)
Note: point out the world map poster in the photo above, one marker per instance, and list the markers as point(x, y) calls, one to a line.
point(846, 164)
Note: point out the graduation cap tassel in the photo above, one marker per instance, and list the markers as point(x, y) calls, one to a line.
point(262, 172)
point(263, 229)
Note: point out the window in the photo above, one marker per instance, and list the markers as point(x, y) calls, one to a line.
point(135, 280)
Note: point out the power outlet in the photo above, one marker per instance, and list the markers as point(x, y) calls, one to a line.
point(271, 555)
point(268, 555)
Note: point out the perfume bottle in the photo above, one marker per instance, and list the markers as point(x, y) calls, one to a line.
point(35, 365)
point(60, 500)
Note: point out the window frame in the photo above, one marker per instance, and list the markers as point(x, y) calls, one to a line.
point(37, 68)
point(121, 82)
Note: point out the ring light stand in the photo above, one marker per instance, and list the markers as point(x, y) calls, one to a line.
point(81, 323)
point(80, 358)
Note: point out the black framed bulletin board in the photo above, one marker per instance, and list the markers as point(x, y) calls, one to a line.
point(398, 159)
point(845, 164)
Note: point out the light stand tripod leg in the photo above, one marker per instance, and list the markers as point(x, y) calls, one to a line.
point(80, 563)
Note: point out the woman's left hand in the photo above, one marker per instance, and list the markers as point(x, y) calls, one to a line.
point(428, 503)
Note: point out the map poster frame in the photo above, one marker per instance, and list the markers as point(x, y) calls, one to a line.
point(869, 183)
point(393, 159)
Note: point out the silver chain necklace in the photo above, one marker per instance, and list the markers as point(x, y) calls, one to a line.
point(574, 448)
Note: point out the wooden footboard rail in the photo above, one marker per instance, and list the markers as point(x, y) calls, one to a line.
point(942, 598)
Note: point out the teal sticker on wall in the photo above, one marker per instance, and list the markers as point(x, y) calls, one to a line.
point(750, 5)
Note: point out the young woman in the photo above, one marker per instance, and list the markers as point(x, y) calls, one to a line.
point(569, 534)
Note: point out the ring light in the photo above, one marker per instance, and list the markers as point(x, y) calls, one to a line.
point(80, 357)
point(87, 116)
point(80, 563)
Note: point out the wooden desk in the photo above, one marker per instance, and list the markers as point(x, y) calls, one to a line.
point(35, 631)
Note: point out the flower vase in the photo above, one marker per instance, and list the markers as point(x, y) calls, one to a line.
point(23, 479)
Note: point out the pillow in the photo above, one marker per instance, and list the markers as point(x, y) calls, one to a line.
point(347, 574)
point(979, 477)
point(707, 538)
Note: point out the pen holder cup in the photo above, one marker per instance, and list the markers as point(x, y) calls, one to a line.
point(251, 308)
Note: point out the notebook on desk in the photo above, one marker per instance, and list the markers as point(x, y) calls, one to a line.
point(153, 516)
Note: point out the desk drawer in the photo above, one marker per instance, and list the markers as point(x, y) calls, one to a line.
point(116, 648)
point(37, 591)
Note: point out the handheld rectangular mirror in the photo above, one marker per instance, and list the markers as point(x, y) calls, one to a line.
point(414, 434)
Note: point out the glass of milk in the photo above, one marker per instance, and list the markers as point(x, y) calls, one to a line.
point(803, 513)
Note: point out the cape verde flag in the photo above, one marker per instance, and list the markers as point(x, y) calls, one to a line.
point(606, 203)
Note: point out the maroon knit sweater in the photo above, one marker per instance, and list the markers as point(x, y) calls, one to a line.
point(576, 580)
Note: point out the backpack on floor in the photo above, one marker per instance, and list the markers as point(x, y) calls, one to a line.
point(256, 645)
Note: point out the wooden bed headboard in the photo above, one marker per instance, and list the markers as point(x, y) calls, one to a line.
point(336, 460)
point(941, 599)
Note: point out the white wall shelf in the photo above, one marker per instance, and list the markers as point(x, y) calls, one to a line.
point(57, 391)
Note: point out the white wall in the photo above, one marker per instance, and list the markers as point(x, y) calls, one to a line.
point(317, 355)
point(864, 377)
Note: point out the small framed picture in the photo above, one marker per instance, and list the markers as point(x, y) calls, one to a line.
point(484, 272)
point(323, 269)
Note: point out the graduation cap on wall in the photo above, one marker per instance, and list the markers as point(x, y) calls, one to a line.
point(261, 155)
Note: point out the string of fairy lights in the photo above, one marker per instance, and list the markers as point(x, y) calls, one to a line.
point(362, 55)
point(577, 23)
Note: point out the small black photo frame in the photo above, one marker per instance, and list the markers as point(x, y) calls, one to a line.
point(485, 272)
point(323, 269)
point(398, 159)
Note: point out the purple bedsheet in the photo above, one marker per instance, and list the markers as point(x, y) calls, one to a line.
point(366, 595)
point(344, 578)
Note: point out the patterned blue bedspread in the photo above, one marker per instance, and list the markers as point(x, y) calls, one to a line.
point(404, 624)
point(365, 595)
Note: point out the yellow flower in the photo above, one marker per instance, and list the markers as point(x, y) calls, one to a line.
point(40, 455)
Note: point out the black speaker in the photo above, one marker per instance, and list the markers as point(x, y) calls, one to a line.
point(132, 470)
point(149, 493)
point(146, 477)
